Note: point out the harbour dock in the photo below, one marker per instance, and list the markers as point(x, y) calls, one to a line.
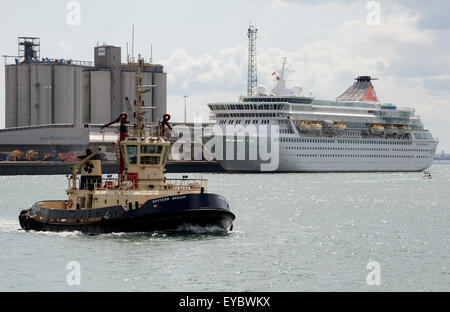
point(11, 168)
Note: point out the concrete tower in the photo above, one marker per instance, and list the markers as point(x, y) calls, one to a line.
point(109, 57)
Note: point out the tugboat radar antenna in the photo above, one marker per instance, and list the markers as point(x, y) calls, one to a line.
point(252, 70)
point(139, 103)
point(132, 43)
point(151, 53)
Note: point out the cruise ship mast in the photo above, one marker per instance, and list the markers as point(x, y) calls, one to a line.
point(283, 68)
point(279, 87)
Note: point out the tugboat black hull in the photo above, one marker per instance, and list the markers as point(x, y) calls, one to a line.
point(162, 214)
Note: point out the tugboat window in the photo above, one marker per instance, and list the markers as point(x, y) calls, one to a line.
point(165, 153)
point(150, 160)
point(151, 149)
point(132, 154)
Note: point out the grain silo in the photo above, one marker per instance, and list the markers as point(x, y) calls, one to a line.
point(100, 96)
point(11, 96)
point(128, 83)
point(109, 58)
point(78, 96)
point(147, 79)
point(64, 94)
point(41, 94)
point(23, 96)
point(86, 97)
point(59, 91)
point(159, 95)
point(55, 98)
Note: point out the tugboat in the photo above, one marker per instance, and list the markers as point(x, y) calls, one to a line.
point(140, 199)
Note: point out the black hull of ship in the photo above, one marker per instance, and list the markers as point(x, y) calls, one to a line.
point(162, 214)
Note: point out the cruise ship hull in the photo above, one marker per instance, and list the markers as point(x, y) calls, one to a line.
point(162, 214)
point(243, 166)
point(342, 155)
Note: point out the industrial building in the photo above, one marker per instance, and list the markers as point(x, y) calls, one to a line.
point(46, 96)
point(48, 91)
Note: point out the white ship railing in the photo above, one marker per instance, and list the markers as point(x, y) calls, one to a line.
point(163, 186)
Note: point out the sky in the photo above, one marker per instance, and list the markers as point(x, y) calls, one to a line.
point(203, 46)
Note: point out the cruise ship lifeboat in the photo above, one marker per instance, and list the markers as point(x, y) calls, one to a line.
point(391, 129)
point(376, 129)
point(316, 126)
point(402, 129)
point(339, 127)
point(303, 125)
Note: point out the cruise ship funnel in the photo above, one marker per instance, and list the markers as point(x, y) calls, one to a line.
point(361, 90)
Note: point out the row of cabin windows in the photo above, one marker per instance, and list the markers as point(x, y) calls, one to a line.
point(247, 115)
point(247, 122)
point(321, 148)
point(423, 136)
point(132, 152)
point(245, 106)
point(355, 156)
point(288, 99)
point(369, 142)
point(412, 150)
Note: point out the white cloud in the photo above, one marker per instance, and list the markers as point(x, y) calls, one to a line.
point(64, 46)
point(277, 6)
point(397, 52)
point(206, 73)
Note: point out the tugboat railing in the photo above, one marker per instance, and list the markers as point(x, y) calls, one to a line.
point(158, 185)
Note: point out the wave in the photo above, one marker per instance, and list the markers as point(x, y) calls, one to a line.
point(13, 226)
point(10, 226)
point(183, 230)
point(195, 229)
point(59, 234)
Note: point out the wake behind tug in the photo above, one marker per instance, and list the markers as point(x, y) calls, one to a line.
point(140, 199)
point(161, 214)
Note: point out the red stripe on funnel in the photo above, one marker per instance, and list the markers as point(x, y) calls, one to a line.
point(370, 95)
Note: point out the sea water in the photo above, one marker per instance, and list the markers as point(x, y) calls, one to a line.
point(293, 232)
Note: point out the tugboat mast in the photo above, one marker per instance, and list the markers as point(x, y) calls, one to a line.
point(139, 103)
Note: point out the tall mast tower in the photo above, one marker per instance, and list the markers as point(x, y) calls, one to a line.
point(283, 69)
point(140, 89)
point(252, 70)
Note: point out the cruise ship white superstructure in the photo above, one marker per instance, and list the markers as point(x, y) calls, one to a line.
point(356, 132)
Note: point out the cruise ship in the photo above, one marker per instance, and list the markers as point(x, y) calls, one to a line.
point(354, 133)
